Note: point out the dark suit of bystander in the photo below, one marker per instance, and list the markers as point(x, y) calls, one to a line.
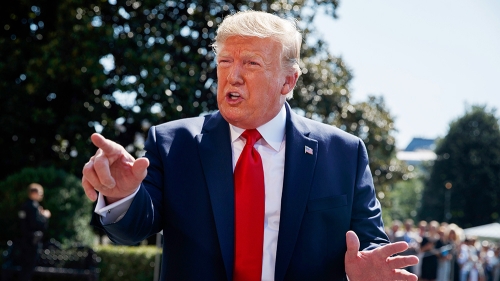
point(33, 222)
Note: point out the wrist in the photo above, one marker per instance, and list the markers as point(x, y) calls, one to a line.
point(110, 200)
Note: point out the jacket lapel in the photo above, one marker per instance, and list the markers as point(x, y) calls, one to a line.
point(216, 158)
point(299, 170)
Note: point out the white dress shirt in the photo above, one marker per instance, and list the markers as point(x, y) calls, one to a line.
point(272, 151)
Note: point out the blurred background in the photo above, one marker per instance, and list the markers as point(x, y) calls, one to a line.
point(414, 80)
point(429, 59)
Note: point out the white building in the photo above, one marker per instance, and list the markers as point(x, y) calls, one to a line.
point(419, 150)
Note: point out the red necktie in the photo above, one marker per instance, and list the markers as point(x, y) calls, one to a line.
point(249, 211)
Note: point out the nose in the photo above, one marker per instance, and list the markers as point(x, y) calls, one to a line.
point(234, 76)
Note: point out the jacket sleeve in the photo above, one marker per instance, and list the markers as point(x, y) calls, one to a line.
point(366, 219)
point(143, 217)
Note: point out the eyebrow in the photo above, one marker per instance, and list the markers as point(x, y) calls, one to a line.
point(243, 54)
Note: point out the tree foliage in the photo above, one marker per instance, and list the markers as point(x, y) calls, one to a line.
point(404, 200)
point(468, 169)
point(74, 67)
point(49, 68)
point(373, 123)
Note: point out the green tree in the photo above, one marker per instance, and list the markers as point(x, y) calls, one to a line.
point(50, 72)
point(63, 196)
point(465, 178)
point(373, 123)
point(404, 200)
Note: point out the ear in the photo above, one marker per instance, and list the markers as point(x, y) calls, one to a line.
point(290, 82)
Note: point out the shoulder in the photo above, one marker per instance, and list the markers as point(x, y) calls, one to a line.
point(186, 131)
point(29, 204)
point(191, 126)
point(328, 133)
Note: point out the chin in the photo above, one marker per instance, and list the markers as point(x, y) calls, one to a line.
point(230, 118)
point(229, 112)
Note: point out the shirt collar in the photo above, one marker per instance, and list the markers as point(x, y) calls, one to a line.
point(272, 132)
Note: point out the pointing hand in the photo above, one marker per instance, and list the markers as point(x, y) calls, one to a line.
point(112, 171)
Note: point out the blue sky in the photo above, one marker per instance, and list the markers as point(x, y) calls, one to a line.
point(430, 60)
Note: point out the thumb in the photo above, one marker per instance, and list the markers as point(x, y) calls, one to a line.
point(352, 242)
point(140, 168)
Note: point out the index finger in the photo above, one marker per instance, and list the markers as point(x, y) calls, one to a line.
point(107, 146)
point(393, 248)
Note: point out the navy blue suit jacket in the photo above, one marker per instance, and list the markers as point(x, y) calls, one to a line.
point(188, 193)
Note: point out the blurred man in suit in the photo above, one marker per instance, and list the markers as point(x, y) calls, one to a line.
point(34, 221)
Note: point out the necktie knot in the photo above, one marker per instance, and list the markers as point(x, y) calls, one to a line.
point(252, 136)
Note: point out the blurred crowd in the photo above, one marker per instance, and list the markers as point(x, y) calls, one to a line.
point(445, 253)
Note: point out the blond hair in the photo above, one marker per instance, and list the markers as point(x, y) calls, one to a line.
point(264, 25)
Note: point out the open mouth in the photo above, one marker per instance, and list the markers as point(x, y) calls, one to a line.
point(234, 96)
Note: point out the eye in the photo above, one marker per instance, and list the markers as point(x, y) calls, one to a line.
point(223, 61)
point(253, 63)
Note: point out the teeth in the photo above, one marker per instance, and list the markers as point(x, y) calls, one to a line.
point(234, 95)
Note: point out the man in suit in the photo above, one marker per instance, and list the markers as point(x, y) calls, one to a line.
point(318, 203)
point(33, 221)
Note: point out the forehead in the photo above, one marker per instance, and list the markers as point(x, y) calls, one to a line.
point(249, 46)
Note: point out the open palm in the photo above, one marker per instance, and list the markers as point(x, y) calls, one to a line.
point(378, 264)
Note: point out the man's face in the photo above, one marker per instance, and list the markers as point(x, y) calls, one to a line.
point(37, 196)
point(251, 83)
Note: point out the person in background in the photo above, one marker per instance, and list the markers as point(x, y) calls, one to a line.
point(468, 260)
point(395, 232)
point(422, 228)
point(455, 238)
point(429, 259)
point(34, 222)
point(487, 259)
point(409, 236)
point(477, 271)
point(432, 231)
point(444, 247)
point(422, 232)
point(495, 263)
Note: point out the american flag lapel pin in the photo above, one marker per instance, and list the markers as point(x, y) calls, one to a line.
point(308, 150)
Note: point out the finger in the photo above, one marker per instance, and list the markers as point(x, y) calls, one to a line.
point(140, 168)
point(102, 169)
point(392, 249)
point(90, 176)
point(402, 261)
point(352, 242)
point(107, 146)
point(401, 274)
point(89, 190)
